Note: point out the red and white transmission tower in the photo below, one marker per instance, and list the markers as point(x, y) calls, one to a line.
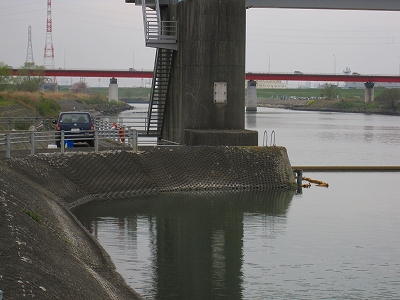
point(48, 59)
point(29, 51)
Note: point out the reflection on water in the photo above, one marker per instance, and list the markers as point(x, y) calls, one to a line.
point(341, 242)
point(194, 242)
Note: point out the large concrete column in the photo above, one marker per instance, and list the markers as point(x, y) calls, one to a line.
point(113, 90)
point(251, 100)
point(369, 92)
point(206, 99)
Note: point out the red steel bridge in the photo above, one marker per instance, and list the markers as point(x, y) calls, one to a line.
point(249, 76)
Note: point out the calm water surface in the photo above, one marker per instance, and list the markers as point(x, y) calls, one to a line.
point(324, 138)
point(341, 242)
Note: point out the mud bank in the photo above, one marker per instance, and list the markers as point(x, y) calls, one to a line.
point(45, 253)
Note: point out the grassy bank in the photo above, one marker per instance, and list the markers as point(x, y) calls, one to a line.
point(346, 94)
point(49, 104)
point(126, 94)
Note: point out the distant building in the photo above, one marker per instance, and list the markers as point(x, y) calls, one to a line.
point(269, 84)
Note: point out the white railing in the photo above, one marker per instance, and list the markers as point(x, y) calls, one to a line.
point(109, 132)
point(34, 140)
point(138, 122)
point(158, 33)
point(161, 32)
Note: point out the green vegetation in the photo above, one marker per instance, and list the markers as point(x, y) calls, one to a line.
point(44, 104)
point(98, 98)
point(125, 94)
point(309, 93)
point(135, 94)
point(354, 105)
point(21, 126)
point(5, 76)
point(47, 104)
point(310, 102)
point(30, 78)
point(47, 107)
point(66, 240)
point(23, 90)
point(390, 99)
point(347, 94)
point(6, 102)
point(34, 215)
point(329, 92)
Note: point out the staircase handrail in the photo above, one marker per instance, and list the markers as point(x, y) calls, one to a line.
point(153, 86)
point(161, 31)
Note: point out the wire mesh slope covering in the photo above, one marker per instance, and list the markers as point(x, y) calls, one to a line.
point(79, 177)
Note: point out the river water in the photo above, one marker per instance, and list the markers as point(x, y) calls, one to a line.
point(341, 242)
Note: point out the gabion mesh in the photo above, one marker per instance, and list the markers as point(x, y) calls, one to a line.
point(79, 177)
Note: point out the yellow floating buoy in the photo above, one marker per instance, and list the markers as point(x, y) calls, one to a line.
point(306, 185)
point(317, 182)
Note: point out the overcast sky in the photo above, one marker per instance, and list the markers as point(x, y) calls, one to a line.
point(109, 34)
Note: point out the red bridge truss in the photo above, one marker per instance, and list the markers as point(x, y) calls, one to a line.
point(249, 76)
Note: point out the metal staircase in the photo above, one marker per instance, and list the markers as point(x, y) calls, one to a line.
point(158, 33)
point(159, 90)
point(163, 36)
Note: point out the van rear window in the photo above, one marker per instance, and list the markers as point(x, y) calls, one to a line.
point(74, 118)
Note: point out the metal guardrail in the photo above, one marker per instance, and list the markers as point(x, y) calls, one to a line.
point(161, 32)
point(36, 123)
point(30, 140)
point(129, 131)
point(139, 123)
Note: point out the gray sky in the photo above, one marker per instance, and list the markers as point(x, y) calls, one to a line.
point(108, 34)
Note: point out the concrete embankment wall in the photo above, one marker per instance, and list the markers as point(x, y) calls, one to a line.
point(46, 253)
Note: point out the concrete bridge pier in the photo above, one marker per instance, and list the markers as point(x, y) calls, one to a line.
point(206, 97)
point(251, 100)
point(113, 89)
point(369, 92)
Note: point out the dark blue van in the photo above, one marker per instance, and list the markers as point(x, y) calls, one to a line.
point(78, 127)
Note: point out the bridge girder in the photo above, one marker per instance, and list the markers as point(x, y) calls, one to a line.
point(248, 76)
point(390, 5)
point(385, 5)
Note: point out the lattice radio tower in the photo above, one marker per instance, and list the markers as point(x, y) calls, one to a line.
point(29, 51)
point(48, 59)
